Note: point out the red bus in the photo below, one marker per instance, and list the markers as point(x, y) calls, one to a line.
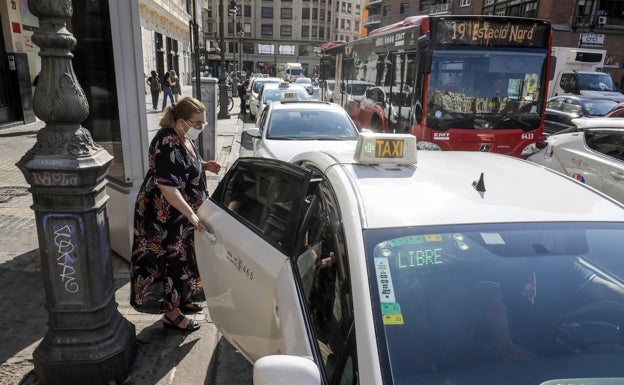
point(472, 83)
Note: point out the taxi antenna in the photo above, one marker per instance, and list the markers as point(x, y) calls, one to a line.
point(479, 185)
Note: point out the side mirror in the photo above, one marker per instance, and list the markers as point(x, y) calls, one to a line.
point(282, 369)
point(424, 58)
point(254, 132)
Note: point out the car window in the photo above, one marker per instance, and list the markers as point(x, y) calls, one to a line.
point(323, 271)
point(608, 143)
point(554, 104)
point(572, 107)
point(265, 199)
point(598, 107)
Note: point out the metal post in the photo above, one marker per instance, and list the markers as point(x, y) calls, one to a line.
point(196, 49)
point(88, 341)
point(223, 89)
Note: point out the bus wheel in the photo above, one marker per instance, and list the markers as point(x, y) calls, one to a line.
point(375, 125)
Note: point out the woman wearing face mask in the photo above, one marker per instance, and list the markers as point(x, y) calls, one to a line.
point(163, 269)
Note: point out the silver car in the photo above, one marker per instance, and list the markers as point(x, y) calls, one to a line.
point(254, 89)
point(593, 153)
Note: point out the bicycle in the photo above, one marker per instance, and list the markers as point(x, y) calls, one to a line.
point(230, 105)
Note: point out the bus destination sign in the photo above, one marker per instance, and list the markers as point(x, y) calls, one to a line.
point(506, 33)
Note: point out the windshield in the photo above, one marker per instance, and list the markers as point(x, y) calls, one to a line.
point(513, 304)
point(486, 89)
point(357, 89)
point(308, 124)
point(595, 82)
point(260, 82)
point(277, 94)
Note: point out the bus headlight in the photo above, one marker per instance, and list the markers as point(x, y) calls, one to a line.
point(428, 146)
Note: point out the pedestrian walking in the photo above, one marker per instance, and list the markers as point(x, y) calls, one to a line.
point(242, 94)
point(176, 89)
point(163, 272)
point(167, 93)
point(154, 85)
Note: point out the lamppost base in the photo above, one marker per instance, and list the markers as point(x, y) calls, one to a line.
point(223, 116)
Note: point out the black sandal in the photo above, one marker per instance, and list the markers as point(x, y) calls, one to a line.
point(191, 308)
point(174, 324)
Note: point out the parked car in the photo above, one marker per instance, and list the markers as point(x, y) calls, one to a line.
point(593, 154)
point(561, 110)
point(386, 265)
point(254, 89)
point(272, 92)
point(309, 86)
point(288, 128)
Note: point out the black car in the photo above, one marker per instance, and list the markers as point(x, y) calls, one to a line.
point(560, 110)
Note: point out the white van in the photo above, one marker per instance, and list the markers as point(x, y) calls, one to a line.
point(293, 71)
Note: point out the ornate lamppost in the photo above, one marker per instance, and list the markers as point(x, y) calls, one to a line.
point(88, 341)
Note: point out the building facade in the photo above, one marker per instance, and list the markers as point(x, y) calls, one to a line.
point(576, 23)
point(262, 35)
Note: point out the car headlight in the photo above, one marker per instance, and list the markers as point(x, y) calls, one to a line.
point(529, 150)
point(428, 146)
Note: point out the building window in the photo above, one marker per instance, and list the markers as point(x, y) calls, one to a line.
point(304, 50)
point(287, 13)
point(266, 30)
point(387, 10)
point(305, 13)
point(305, 31)
point(285, 49)
point(314, 30)
point(405, 8)
point(267, 12)
point(464, 3)
point(322, 15)
point(488, 2)
point(285, 30)
point(321, 33)
point(314, 13)
point(266, 49)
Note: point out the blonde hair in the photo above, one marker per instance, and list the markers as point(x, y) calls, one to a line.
point(173, 73)
point(185, 108)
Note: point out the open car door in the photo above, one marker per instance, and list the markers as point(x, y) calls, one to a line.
point(252, 219)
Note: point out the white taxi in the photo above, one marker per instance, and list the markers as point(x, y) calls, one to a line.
point(273, 92)
point(288, 128)
point(384, 266)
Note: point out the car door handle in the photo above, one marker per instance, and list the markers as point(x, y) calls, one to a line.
point(616, 175)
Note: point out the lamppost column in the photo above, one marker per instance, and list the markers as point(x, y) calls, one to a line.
point(223, 89)
point(88, 341)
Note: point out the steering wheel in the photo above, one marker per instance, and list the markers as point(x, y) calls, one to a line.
point(599, 323)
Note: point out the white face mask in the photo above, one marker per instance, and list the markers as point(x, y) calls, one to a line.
point(192, 133)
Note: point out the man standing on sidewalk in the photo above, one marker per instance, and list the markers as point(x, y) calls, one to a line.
point(154, 85)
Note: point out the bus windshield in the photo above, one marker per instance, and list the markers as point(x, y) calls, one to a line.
point(486, 89)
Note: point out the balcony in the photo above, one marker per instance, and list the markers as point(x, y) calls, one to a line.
point(372, 3)
point(440, 9)
point(372, 20)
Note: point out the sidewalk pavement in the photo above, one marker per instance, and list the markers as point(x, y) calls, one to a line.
point(163, 356)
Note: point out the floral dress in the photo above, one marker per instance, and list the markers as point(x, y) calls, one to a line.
point(163, 270)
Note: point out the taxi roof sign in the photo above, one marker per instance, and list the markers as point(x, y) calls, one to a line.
point(376, 148)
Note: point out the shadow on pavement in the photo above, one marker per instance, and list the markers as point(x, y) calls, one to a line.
point(159, 350)
point(228, 366)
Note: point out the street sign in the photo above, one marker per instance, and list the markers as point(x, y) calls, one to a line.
point(592, 39)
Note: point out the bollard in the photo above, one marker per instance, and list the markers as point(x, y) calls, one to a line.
point(88, 341)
